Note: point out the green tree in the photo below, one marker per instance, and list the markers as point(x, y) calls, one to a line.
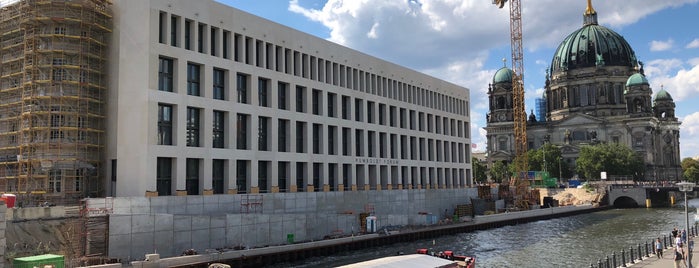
point(690, 169)
point(499, 171)
point(479, 171)
point(614, 158)
point(548, 158)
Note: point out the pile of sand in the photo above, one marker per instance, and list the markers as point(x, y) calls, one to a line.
point(575, 196)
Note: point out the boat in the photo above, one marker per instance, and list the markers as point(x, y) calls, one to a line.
point(461, 260)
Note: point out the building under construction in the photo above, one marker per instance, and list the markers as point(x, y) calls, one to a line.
point(52, 95)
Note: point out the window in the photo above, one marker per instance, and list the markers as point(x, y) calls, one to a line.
point(161, 27)
point(300, 137)
point(282, 94)
point(242, 87)
point(164, 124)
point(346, 103)
point(346, 140)
point(358, 110)
point(218, 133)
point(262, 176)
point(317, 102)
point(242, 132)
point(370, 112)
point(263, 134)
point(165, 74)
point(317, 138)
point(283, 174)
point(331, 104)
point(283, 135)
point(163, 175)
point(200, 38)
point(55, 181)
point(219, 84)
point(241, 175)
point(263, 92)
point(193, 79)
point(226, 44)
point(332, 136)
point(218, 167)
point(173, 31)
point(213, 36)
point(192, 180)
point(300, 99)
point(188, 34)
point(193, 126)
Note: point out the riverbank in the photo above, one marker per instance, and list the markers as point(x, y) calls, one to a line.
point(257, 257)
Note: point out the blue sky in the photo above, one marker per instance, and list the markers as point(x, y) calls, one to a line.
point(465, 41)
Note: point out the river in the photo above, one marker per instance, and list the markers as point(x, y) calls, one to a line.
point(574, 241)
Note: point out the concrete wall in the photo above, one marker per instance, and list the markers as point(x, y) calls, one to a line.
point(168, 225)
point(33, 213)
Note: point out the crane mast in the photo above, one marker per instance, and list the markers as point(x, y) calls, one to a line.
point(520, 116)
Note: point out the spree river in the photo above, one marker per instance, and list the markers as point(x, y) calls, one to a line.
point(574, 241)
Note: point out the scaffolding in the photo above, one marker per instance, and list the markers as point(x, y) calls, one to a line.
point(52, 94)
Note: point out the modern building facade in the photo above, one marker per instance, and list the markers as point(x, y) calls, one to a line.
point(595, 92)
point(206, 99)
point(162, 97)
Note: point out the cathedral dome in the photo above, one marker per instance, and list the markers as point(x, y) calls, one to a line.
point(637, 79)
point(504, 75)
point(662, 95)
point(592, 45)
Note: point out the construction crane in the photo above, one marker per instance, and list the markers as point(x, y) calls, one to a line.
point(519, 180)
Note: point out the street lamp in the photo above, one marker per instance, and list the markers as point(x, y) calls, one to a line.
point(687, 187)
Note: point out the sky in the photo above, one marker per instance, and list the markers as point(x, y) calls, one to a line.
point(465, 41)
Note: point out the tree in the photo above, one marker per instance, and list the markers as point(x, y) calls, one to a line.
point(614, 158)
point(499, 171)
point(690, 169)
point(479, 171)
point(548, 158)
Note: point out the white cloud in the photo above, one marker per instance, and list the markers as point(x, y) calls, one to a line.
point(693, 44)
point(690, 131)
point(680, 79)
point(656, 45)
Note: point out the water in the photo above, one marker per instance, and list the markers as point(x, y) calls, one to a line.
point(573, 241)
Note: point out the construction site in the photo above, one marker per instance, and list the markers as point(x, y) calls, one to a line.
point(52, 95)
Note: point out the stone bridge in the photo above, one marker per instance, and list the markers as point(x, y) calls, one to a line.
point(627, 196)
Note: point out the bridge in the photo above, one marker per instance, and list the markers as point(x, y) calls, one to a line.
point(632, 195)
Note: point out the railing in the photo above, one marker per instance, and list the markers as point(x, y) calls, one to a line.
point(637, 252)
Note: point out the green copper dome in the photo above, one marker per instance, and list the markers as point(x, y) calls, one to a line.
point(592, 45)
point(636, 80)
point(662, 95)
point(504, 75)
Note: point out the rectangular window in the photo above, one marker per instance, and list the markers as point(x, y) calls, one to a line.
point(283, 135)
point(282, 95)
point(188, 34)
point(55, 181)
point(173, 31)
point(371, 140)
point(332, 137)
point(262, 176)
point(263, 134)
point(200, 38)
point(163, 181)
point(161, 27)
point(358, 143)
point(192, 180)
point(346, 140)
point(283, 175)
point(300, 99)
point(219, 84)
point(193, 79)
point(300, 137)
point(317, 102)
point(226, 44)
point(165, 74)
point(218, 173)
point(213, 38)
point(346, 103)
point(164, 124)
point(242, 87)
point(218, 132)
point(241, 176)
point(358, 110)
point(242, 132)
point(263, 92)
point(370, 112)
point(382, 114)
point(193, 125)
point(332, 99)
point(317, 138)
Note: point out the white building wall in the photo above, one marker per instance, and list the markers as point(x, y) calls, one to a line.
point(134, 98)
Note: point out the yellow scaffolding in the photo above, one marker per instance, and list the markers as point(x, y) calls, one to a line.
point(52, 93)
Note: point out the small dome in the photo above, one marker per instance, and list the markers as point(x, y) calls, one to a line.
point(504, 75)
point(637, 79)
point(662, 95)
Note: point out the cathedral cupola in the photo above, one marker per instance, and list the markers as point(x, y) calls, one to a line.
point(637, 95)
point(663, 105)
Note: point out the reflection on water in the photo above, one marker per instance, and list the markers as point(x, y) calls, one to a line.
point(574, 241)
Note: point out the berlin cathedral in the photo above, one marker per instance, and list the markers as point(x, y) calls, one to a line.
point(595, 92)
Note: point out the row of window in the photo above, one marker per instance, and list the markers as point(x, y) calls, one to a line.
point(339, 175)
point(340, 140)
point(364, 111)
point(218, 42)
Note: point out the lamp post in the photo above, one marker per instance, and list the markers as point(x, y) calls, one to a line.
point(687, 187)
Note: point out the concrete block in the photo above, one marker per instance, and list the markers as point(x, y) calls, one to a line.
point(233, 220)
point(164, 222)
point(142, 243)
point(120, 246)
point(159, 204)
point(120, 205)
point(140, 205)
point(218, 221)
point(182, 241)
point(182, 223)
point(177, 205)
point(120, 224)
point(200, 239)
point(217, 238)
point(142, 224)
point(201, 222)
point(233, 236)
point(163, 242)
